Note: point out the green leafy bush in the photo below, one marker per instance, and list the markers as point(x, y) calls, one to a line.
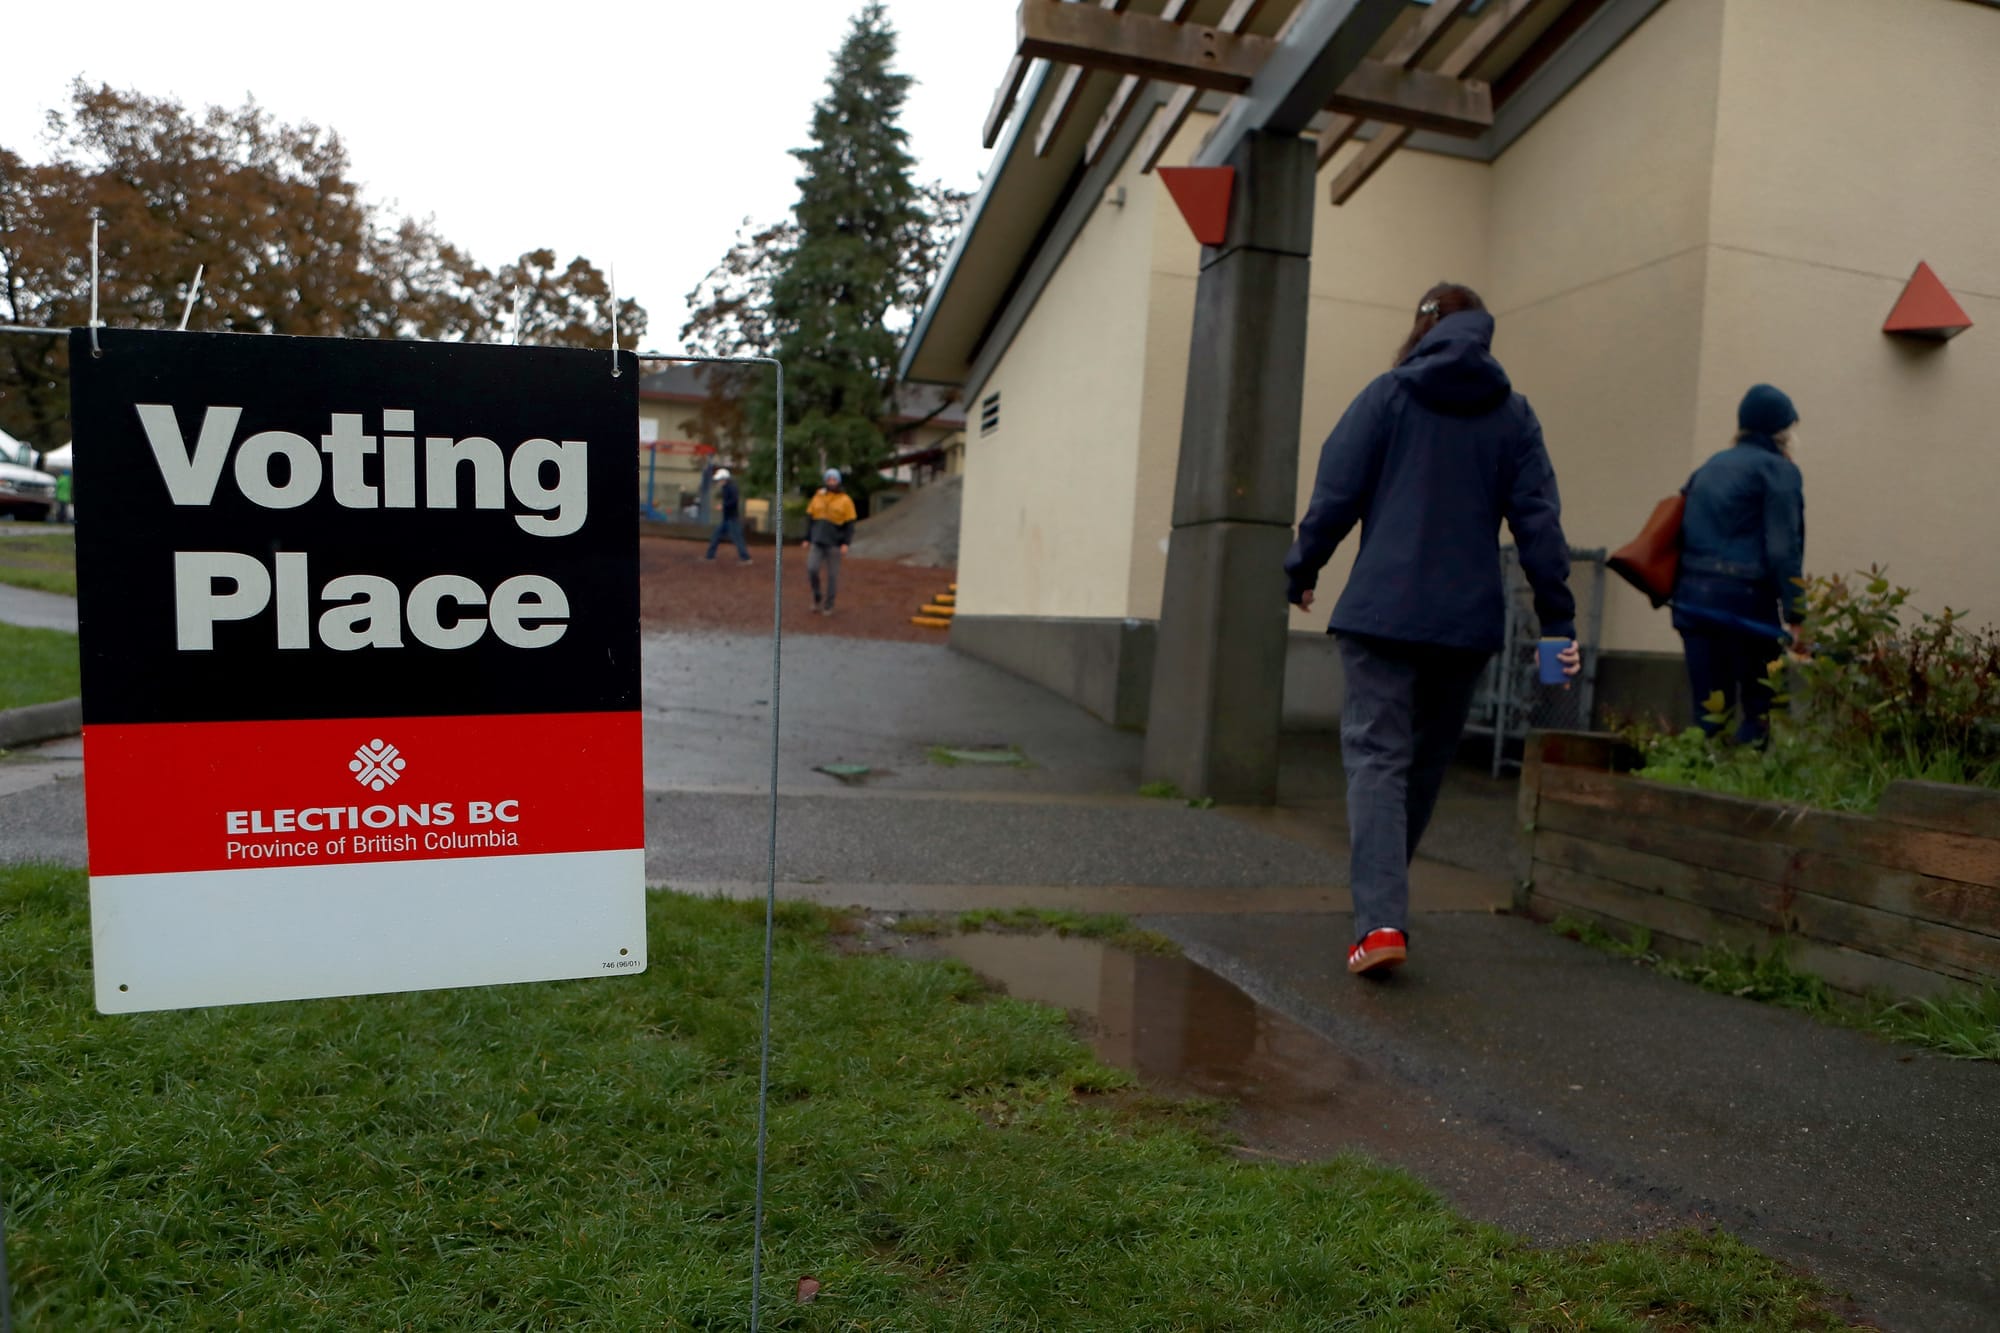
point(1881, 695)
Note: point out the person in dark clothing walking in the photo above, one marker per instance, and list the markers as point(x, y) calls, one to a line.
point(1743, 549)
point(830, 527)
point(1429, 460)
point(730, 502)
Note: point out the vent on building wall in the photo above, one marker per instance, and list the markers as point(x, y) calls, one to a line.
point(989, 414)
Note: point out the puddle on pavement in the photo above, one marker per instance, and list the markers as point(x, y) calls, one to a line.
point(1298, 1097)
point(1185, 1030)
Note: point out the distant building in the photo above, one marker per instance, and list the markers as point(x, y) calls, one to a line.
point(926, 438)
point(671, 456)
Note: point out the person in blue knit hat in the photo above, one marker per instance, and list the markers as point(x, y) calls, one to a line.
point(1739, 598)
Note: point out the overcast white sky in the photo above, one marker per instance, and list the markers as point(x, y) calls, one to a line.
point(639, 135)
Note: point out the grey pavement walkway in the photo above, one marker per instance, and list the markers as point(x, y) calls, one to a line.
point(903, 850)
point(36, 610)
point(1870, 1164)
point(1068, 829)
point(848, 701)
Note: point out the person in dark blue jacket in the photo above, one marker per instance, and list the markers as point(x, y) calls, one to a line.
point(1429, 460)
point(1743, 548)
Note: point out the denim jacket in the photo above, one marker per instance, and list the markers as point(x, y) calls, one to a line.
point(1746, 519)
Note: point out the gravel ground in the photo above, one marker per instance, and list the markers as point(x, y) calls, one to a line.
point(679, 590)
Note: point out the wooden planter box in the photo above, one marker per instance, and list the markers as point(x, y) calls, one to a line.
point(1907, 899)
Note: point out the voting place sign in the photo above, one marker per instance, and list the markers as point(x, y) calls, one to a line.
point(360, 638)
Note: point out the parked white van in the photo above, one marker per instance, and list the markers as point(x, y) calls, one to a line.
point(26, 492)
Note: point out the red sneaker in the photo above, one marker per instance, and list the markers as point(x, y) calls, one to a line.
point(1378, 951)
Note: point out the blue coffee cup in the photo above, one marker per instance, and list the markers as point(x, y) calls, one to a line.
point(1550, 655)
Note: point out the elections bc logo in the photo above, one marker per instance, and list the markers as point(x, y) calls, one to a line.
point(377, 765)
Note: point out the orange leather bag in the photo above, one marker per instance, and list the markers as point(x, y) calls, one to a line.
point(1650, 560)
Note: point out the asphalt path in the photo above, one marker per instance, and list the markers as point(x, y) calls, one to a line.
point(1872, 1165)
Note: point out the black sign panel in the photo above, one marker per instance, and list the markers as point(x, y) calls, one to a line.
point(294, 528)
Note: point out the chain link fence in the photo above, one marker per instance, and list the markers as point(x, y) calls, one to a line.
point(1511, 700)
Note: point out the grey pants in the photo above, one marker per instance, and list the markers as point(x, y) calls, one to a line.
point(1399, 728)
point(828, 558)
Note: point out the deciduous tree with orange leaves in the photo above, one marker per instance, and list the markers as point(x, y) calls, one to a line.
point(286, 241)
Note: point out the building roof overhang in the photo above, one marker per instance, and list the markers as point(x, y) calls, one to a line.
point(1045, 180)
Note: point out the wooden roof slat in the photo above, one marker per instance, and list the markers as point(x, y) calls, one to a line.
point(1168, 120)
point(1127, 95)
point(1423, 38)
point(1067, 91)
point(1356, 173)
point(1003, 98)
point(1417, 43)
point(1505, 18)
point(1098, 38)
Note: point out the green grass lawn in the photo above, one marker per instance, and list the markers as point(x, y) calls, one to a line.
point(580, 1156)
point(46, 561)
point(37, 666)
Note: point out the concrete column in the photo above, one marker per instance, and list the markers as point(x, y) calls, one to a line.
point(1219, 670)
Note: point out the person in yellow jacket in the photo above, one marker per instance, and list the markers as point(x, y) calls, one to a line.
point(829, 528)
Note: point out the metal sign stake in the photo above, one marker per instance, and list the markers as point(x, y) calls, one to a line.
point(771, 864)
point(6, 1290)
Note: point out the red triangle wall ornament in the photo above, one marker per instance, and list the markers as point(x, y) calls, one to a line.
point(1927, 310)
point(1203, 195)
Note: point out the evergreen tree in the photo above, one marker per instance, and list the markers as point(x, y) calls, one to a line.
point(832, 289)
point(830, 303)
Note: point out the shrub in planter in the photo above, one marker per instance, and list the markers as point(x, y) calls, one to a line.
point(1881, 696)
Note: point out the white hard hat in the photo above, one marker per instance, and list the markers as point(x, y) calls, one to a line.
point(832, 477)
point(722, 474)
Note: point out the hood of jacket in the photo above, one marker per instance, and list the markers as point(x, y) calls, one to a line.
point(1453, 370)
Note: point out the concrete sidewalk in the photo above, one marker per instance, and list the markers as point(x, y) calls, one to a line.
point(36, 610)
point(1871, 1165)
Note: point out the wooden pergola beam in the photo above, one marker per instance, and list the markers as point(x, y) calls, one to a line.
point(1416, 99)
point(1323, 42)
point(1067, 92)
point(1407, 53)
point(1375, 90)
point(1185, 53)
point(1127, 94)
point(1502, 22)
point(1167, 123)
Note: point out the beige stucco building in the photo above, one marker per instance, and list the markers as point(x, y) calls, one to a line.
point(1678, 199)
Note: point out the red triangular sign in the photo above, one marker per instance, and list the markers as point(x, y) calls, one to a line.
point(1203, 195)
point(1927, 310)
